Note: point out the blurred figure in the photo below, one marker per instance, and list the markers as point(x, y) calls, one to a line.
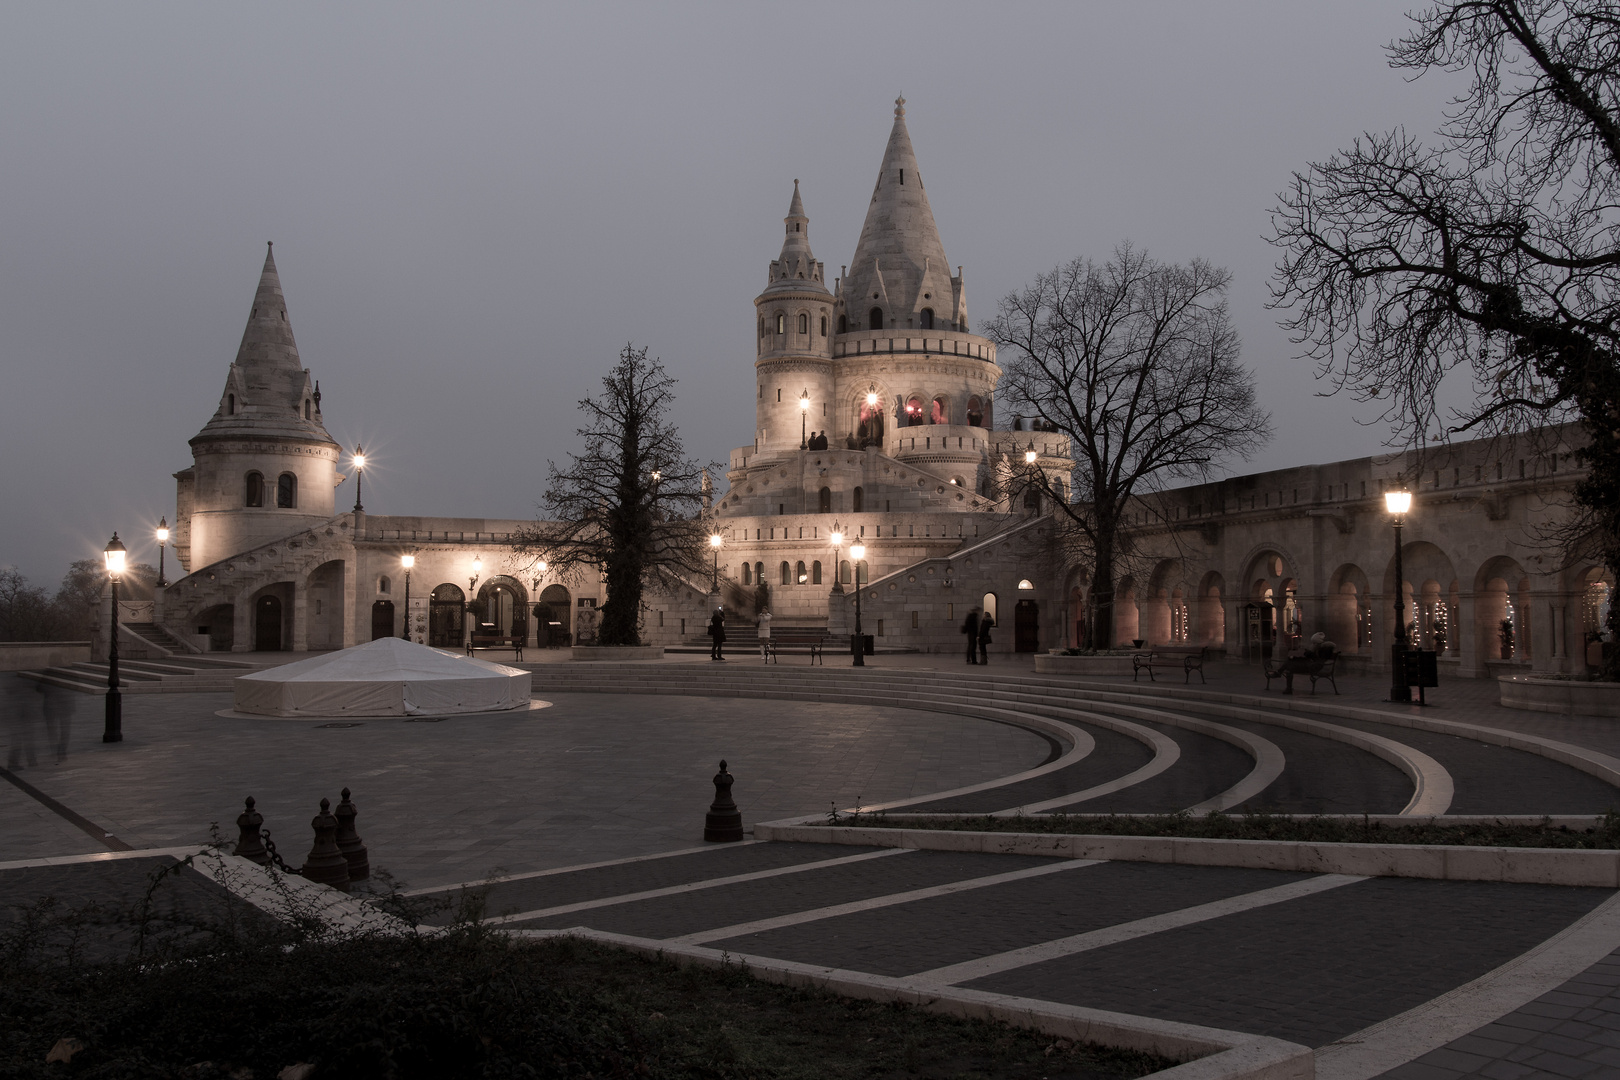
point(57, 706)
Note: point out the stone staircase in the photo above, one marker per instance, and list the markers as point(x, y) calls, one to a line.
point(189, 674)
point(160, 640)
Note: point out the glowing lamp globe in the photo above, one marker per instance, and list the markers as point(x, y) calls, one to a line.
point(113, 554)
point(407, 561)
point(1398, 502)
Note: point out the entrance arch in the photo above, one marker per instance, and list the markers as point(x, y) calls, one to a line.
point(1027, 627)
point(382, 619)
point(446, 608)
point(505, 605)
point(555, 602)
point(267, 624)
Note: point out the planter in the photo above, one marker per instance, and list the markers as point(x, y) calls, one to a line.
point(1561, 696)
point(22, 655)
point(1083, 665)
point(618, 652)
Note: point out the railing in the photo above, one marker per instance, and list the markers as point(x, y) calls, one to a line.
point(932, 342)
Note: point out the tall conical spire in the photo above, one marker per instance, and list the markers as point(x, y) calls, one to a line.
point(900, 239)
point(796, 267)
point(268, 338)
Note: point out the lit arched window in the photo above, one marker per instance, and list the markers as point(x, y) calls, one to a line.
point(824, 326)
point(255, 490)
point(781, 323)
point(804, 323)
point(939, 412)
point(787, 573)
point(748, 574)
point(914, 411)
point(876, 318)
point(826, 500)
point(843, 324)
point(927, 318)
point(286, 491)
point(815, 572)
point(384, 585)
point(1025, 584)
point(799, 574)
point(857, 500)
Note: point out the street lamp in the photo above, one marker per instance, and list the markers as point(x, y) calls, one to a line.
point(1030, 455)
point(163, 540)
point(714, 543)
point(857, 552)
point(478, 572)
point(804, 418)
point(837, 538)
point(113, 730)
point(407, 561)
point(359, 474)
point(1398, 503)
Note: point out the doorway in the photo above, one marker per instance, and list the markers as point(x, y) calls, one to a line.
point(382, 619)
point(1027, 626)
point(267, 624)
point(446, 605)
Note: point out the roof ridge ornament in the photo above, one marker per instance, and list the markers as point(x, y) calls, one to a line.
point(900, 106)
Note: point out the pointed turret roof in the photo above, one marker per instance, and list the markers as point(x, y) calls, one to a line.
point(268, 391)
point(899, 257)
point(796, 267)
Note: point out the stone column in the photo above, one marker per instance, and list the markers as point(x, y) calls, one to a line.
point(242, 623)
point(300, 615)
point(1471, 651)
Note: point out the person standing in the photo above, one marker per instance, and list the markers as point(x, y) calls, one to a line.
point(764, 635)
point(985, 623)
point(717, 634)
point(970, 627)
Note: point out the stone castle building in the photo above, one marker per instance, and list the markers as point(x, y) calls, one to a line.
point(876, 422)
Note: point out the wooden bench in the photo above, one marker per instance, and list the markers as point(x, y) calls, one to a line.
point(793, 640)
point(483, 642)
point(1311, 667)
point(1189, 658)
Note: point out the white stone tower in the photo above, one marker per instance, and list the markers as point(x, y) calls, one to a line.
point(264, 466)
point(794, 350)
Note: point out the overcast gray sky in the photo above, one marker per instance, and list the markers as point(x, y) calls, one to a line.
point(475, 206)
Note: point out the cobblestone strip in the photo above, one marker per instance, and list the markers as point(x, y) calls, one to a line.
point(969, 970)
point(556, 870)
point(856, 906)
point(694, 886)
point(1166, 752)
point(1454, 1034)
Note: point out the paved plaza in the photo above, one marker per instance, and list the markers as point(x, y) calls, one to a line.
point(588, 813)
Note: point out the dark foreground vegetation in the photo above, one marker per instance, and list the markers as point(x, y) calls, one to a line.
point(471, 1003)
point(1257, 826)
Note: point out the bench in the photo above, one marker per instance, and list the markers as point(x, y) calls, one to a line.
point(1311, 667)
point(1188, 658)
point(792, 640)
point(482, 642)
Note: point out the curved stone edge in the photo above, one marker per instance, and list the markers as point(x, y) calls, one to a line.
point(1082, 665)
point(1537, 866)
point(1215, 1054)
point(1559, 696)
point(616, 652)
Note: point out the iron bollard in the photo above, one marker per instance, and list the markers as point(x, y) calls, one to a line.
point(349, 842)
point(249, 844)
point(326, 864)
point(723, 824)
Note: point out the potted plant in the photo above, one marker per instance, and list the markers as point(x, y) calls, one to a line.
point(1505, 632)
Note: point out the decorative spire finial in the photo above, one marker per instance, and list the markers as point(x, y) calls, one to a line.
point(900, 106)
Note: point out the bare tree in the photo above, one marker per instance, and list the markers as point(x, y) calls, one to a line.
point(1495, 250)
point(630, 506)
point(1137, 362)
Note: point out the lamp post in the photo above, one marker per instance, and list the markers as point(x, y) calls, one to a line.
point(359, 474)
point(163, 541)
point(714, 543)
point(837, 538)
point(478, 572)
point(1398, 503)
point(407, 561)
point(857, 552)
point(113, 730)
point(1029, 454)
point(804, 419)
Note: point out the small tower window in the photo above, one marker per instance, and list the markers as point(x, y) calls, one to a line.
point(902, 176)
point(799, 575)
point(306, 409)
point(762, 326)
point(255, 490)
point(815, 572)
point(876, 318)
point(804, 323)
point(748, 574)
point(781, 323)
point(286, 491)
point(858, 497)
point(759, 567)
point(843, 324)
point(826, 500)
point(824, 326)
point(787, 573)
point(795, 226)
point(384, 585)
point(230, 404)
point(975, 412)
point(927, 318)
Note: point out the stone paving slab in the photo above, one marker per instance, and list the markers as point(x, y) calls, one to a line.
point(1315, 969)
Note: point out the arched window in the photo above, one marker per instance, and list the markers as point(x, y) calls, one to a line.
point(939, 412)
point(306, 409)
point(748, 574)
point(863, 573)
point(927, 318)
point(787, 573)
point(255, 490)
point(759, 572)
point(826, 500)
point(824, 326)
point(799, 575)
point(815, 572)
point(914, 411)
point(858, 498)
point(781, 323)
point(286, 491)
point(1032, 498)
point(875, 319)
point(804, 323)
point(384, 585)
point(975, 412)
point(230, 404)
point(843, 324)
point(843, 571)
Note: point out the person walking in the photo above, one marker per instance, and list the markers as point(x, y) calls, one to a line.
point(970, 627)
point(764, 635)
point(717, 634)
point(986, 621)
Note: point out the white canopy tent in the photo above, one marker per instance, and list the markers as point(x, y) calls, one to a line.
point(386, 677)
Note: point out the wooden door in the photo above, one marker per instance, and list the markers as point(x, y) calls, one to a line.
point(1027, 626)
